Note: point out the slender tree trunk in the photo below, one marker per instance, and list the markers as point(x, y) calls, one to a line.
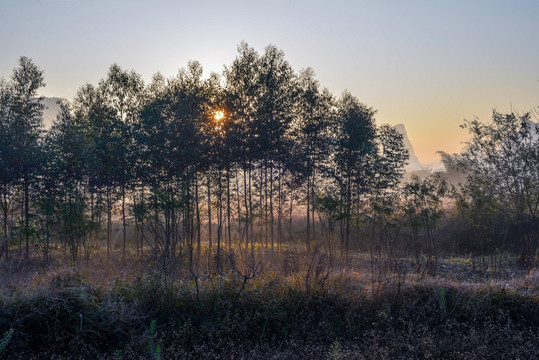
point(93, 234)
point(272, 218)
point(6, 243)
point(247, 213)
point(5, 211)
point(251, 220)
point(124, 225)
point(197, 212)
point(109, 222)
point(136, 221)
point(348, 216)
point(238, 208)
point(312, 211)
point(209, 223)
point(228, 210)
point(26, 219)
point(261, 207)
point(266, 223)
point(358, 204)
point(219, 220)
point(279, 212)
point(290, 215)
point(308, 235)
point(143, 210)
point(189, 236)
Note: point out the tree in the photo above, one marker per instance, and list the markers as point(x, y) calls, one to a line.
point(8, 160)
point(313, 140)
point(503, 156)
point(354, 154)
point(385, 202)
point(92, 109)
point(423, 200)
point(24, 127)
point(277, 94)
point(123, 92)
point(242, 98)
point(174, 142)
point(65, 183)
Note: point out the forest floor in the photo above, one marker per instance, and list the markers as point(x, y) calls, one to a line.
point(293, 307)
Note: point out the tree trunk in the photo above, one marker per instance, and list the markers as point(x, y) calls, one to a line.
point(308, 235)
point(109, 223)
point(124, 225)
point(209, 223)
point(247, 213)
point(228, 210)
point(197, 210)
point(272, 218)
point(279, 212)
point(219, 220)
point(26, 219)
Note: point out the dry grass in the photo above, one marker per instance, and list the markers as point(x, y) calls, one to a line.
point(291, 309)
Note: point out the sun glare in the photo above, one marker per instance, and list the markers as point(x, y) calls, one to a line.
point(219, 115)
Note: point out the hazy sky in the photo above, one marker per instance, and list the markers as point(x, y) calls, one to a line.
point(428, 64)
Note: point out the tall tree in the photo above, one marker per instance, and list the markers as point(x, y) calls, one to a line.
point(92, 109)
point(242, 98)
point(385, 197)
point(123, 91)
point(26, 126)
point(277, 95)
point(8, 160)
point(312, 135)
point(355, 151)
point(66, 181)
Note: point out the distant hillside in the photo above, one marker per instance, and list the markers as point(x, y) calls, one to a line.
point(413, 163)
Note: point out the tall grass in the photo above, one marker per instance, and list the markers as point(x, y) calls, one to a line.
point(275, 316)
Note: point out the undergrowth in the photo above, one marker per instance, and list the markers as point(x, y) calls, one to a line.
point(147, 318)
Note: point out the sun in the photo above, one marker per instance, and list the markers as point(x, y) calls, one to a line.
point(219, 115)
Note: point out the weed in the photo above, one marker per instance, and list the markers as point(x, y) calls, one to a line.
point(4, 342)
point(335, 351)
point(155, 351)
point(442, 300)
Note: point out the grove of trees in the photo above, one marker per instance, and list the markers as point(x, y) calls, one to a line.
point(198, 171)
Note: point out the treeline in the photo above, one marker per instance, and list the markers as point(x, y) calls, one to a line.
point(195, 169)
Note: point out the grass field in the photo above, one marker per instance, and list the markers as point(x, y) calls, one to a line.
point(294, 309)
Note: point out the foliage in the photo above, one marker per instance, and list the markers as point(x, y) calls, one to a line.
point(501, 161)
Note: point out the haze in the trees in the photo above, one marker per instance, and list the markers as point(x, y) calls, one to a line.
point(199, 171)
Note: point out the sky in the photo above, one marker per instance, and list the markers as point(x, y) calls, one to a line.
point(427, 64)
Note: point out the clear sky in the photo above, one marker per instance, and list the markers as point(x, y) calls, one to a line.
point(428, 64)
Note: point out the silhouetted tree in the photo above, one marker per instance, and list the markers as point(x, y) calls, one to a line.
point(423, 209)
point(354, 154)
point(8, 160)
point(242, 97)
point(25, 127)
point(123, 92)
point(315, 116)
point(503, 156)
point(66, 182)
point(385, 203)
